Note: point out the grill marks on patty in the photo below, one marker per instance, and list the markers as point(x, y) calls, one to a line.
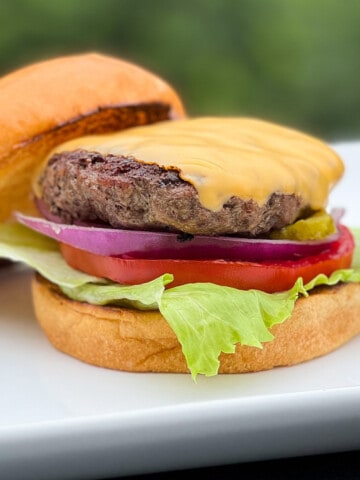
point(125, 193)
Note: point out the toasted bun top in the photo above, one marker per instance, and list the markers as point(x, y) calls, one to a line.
point(45, 95)
point(232, 156)
point(52, 101)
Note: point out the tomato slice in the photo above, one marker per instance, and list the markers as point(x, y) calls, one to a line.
point(266, 276)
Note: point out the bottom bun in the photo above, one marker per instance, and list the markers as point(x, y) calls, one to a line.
point(137, 341)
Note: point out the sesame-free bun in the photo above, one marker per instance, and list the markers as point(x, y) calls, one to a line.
point(50, 102)
point(138, 341)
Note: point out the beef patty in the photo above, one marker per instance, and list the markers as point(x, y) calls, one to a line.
point(125, 193)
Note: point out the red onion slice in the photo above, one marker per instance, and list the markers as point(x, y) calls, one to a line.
point(143, 244)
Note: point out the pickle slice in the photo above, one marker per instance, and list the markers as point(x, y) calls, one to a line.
point(316, 227)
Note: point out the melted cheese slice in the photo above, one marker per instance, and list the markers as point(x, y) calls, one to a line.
point(225, 157)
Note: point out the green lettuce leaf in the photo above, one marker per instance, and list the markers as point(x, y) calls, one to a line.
point(208, 319)
point(146, 296)
point(20, 244)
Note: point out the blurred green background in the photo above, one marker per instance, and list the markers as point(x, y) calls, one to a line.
point(291, 61)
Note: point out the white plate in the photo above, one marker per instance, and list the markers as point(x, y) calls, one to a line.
point(60, 418)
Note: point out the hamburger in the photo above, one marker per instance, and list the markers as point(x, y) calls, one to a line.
point(198, 245)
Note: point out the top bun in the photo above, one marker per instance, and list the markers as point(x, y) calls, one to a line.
point(50, 102)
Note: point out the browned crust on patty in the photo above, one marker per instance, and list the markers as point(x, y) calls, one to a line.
point(125, 193)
